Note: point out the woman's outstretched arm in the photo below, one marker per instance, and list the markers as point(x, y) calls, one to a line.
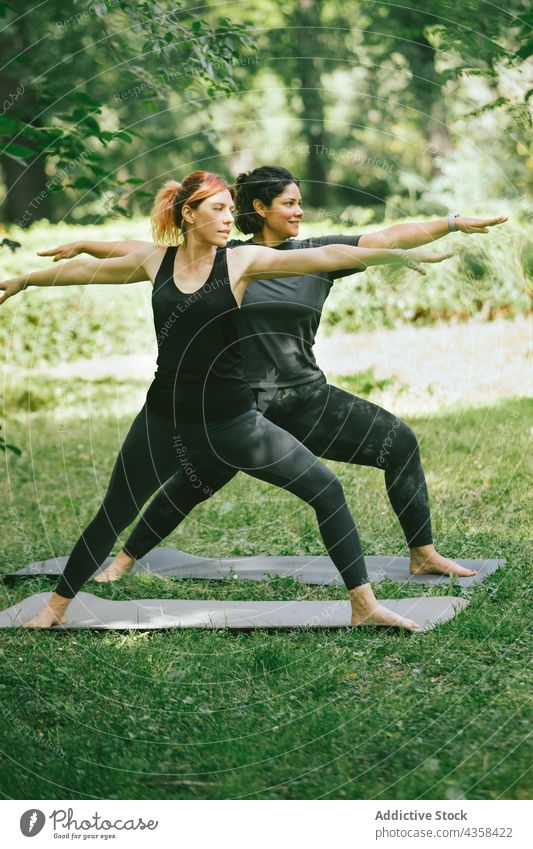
point(396, 236)
point(252, 262)
point(424, 232)
point(132, 268)
point(100, 250)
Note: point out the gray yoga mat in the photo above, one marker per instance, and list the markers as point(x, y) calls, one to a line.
point(159, 561)
point(308, 569)
point(90, 611)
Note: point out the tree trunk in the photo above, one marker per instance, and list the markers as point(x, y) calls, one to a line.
point(427, 86)
point(307, 19)
point(26, 199)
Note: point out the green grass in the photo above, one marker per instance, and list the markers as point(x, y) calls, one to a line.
point(307, 714)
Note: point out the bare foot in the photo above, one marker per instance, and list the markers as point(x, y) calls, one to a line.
point(426, 561)
point(52, 613)
point(366, 610)
point(116, 570)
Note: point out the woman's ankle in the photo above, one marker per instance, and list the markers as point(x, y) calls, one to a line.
point(58, 603)
point(363, 596)
point(422, 550)
point(125, 556)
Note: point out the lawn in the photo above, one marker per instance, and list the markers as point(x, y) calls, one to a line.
point(347, 714)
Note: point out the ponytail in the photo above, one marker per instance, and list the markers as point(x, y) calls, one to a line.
point(166, 215)
point(164, 227)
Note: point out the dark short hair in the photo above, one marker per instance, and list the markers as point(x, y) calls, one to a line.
point(265, 184)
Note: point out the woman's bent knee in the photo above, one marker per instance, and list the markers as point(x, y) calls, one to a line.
point(328, 490)
point(407, 440)
point(399, 446)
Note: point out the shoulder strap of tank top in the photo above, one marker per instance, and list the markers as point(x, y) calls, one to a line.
point(166, 269)
point(220, 266)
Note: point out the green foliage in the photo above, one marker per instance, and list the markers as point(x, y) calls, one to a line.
point(448, 45)
point(119, 51)
point(47, 325)
point(59, 325)
point(527, 257)
point(490, 277)
point(473, 264)
point(6, 446)
point(381, 94)
point(365, 102)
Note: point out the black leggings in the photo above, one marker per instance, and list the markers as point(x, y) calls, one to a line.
point(331, 423)
point(207, 458)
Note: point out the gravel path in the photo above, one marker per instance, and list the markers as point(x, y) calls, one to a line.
point(474, 362)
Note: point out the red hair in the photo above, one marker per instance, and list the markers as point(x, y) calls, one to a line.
point(167, 222)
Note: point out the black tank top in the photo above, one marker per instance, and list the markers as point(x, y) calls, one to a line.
point(199, 374)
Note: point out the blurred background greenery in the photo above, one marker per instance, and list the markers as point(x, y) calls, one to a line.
point(385, 112)
point(382, 109)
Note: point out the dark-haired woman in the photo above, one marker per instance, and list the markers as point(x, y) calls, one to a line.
point(278, 322)
point(199, 404)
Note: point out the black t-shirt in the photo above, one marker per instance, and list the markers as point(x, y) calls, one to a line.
point(279, 318)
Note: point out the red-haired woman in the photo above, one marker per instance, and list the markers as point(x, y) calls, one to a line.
point(199, 407)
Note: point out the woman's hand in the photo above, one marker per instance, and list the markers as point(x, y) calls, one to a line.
point(478, 225)
point(415, 256)
point(100, 250)
point(11, 287)
point(68, 251)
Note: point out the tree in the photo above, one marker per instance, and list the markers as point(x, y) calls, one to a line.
point(56, 85)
